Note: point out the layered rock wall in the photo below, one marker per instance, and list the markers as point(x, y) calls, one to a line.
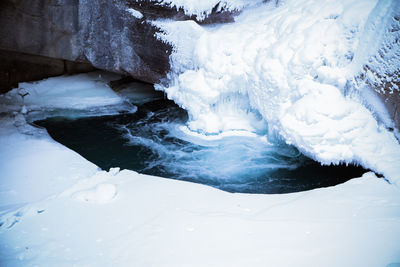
point(18, 67)
point(101, 32)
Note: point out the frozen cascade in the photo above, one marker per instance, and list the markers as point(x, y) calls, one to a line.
point(288, 68)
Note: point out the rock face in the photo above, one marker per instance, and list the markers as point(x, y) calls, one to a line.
point(114, 40)
point(381, 74)
point(100, 32)
point(18, 67)
point(42, 27)
point(387, 83)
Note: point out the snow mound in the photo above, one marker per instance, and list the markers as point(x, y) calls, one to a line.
point(102, 193)
point(292, 66)
point(92, 187)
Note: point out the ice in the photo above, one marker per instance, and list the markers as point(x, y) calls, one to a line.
point(58, 209)
point(291, 66)
point(135, 13)
point(138, 93)
point(66, 91)
point(87, 94)
point(202, 9)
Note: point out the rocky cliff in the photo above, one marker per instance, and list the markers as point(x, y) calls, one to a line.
point(102, 33)
point(105, 33)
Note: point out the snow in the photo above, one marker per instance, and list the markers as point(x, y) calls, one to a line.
point(282, 68)
point(58, 209)
point(77, 95)
point(32, 165)
point(163, 222)
point(290, 65)
point(68, 93)
point(202, 9)
point(102, 193)
point(135, 13)
point(379, 47)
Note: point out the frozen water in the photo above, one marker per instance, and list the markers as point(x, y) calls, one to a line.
point(292, 66)
point(86, 94)
point(285, 59)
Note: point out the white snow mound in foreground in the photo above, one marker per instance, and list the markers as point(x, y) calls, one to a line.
point(292, 65)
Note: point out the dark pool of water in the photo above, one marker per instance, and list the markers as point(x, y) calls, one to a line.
point(150, 141)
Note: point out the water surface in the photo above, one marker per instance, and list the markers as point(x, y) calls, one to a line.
point(152, 141)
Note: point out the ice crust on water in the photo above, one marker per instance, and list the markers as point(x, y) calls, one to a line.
point(85, 94)
point(292, 66)
point(66, 91)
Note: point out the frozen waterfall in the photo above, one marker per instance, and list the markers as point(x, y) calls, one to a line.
point(288, 69)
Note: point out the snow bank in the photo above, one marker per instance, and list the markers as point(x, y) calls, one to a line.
point(289, 65)
point(32, 165)
point(164, 222)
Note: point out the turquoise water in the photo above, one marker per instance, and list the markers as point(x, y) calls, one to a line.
point(151, 141)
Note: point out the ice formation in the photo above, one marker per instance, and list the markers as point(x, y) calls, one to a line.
point(71, 96)
point(293, 66)
point(135, 13)
point(64, 92)
point(271, 64)
point(202, 9)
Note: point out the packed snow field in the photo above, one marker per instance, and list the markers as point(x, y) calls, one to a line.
point(285, 70)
